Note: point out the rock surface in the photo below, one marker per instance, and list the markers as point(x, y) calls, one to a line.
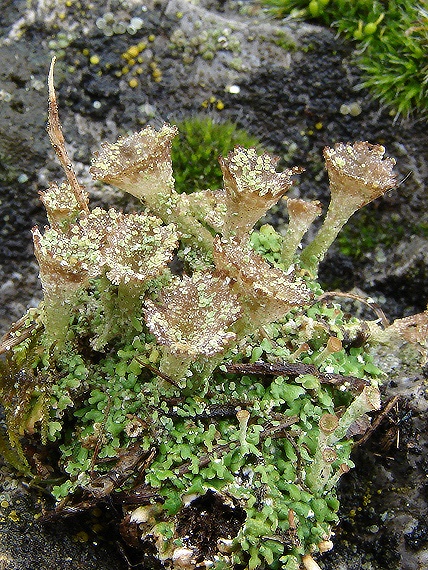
point(291, 84)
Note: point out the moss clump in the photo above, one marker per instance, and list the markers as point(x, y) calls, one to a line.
point(224, 389)
point(195, 152)
point(391, 40)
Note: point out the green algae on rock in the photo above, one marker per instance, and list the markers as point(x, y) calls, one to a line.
point(125, 383)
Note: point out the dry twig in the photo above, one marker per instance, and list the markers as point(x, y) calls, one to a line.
point(8, 341)
point(378, 420)
point(297, 369)
point(57, 139)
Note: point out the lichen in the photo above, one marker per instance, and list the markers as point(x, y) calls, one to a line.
point(358, 174)
point(252, 186)
point(215, 403)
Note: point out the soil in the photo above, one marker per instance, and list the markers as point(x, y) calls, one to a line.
point(293, 82)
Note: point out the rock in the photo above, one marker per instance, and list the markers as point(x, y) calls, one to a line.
point(26, 544)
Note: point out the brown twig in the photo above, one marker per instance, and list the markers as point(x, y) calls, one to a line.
point(100, 438)
point(295, 369)
point(130, 460)
point(57, 140)
point(378, 420)
point(101, 489)
point(8, 341)
point(157, 372)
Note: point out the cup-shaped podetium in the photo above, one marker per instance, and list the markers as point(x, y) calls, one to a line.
point(192, 321)
point(333, 345)
point(328, 423)
point(268, 293)
point(358, 173)
point(252, 186)
point(61, 204)
point(67, 261)
point(139, 164)
point(139, 248)
point(130, 248)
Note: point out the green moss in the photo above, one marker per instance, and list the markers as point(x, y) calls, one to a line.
point(364, 234)
point(116, 401)
point(283, 40)
point(391, 40)
point(196, 151)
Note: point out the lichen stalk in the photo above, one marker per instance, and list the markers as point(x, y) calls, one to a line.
point(358, 174)
point(319, 472)
point(309, 563)
point(61, 285)
point(301, 215)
